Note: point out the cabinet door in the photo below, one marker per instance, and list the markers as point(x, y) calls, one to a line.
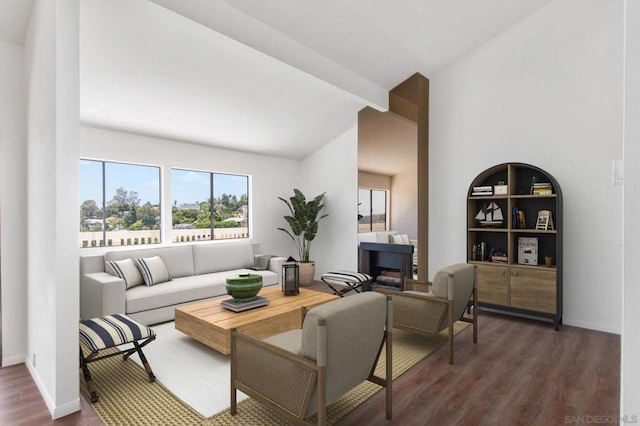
point(492, 285)
point(533, 289)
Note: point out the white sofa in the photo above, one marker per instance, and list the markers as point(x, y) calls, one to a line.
point(376, 237)
point(197, 271)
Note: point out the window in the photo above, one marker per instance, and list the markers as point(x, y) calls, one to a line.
point(209, 206)
point(120, 204)
point(372, 210)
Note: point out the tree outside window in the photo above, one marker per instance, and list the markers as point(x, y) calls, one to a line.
point(120, 204)
point(209, 206)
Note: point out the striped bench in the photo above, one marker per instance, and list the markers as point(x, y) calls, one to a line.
point(348, 280)
point(112, 331)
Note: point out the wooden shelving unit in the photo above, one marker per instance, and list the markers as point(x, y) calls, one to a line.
point(533, 289)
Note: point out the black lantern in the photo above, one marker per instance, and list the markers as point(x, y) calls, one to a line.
point(290, 280)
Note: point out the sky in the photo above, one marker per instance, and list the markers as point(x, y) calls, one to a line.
point(187, 186)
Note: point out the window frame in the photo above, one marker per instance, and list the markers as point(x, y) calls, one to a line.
point(103, 170)
point(386, 209)
point(212, 199)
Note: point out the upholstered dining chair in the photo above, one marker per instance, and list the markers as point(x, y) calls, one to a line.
point(430, 307)
point(299, 372)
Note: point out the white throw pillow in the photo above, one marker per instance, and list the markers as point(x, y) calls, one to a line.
point(126, 270)
point(401, 239)
point(153, 270)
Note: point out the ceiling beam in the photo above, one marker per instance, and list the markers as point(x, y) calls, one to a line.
point(225, 19)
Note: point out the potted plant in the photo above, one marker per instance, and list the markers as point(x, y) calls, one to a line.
point(303, 221)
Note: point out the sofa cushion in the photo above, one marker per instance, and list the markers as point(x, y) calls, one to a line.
point(399, 239)
point(219, 257)
point(126, 269)
point(178, 259)
point(367, 237)
point(153, 270)
point(289, 341)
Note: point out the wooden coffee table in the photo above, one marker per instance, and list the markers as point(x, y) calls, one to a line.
point(211, 324)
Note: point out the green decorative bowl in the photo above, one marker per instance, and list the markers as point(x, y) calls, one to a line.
point(244, 287)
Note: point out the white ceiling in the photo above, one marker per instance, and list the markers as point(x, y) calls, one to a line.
point(278, 77)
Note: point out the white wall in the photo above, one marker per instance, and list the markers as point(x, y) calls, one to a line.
point(630, 373)
point(13, 186)
point(374, 181)
point(546, 92)
point(404, 202)
point(270, 177)
point(332, 169)
point(51, 52)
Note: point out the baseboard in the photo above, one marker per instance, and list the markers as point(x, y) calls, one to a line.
point(14, 360)
point(56, 412)
point(43, 390)
point(590, 326)
point(66, 409)
point(565, 321)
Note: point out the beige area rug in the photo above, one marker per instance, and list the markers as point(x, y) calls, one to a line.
point(127, 398)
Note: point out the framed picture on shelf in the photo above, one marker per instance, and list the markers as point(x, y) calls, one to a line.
point(527, 251)
point(544, 221)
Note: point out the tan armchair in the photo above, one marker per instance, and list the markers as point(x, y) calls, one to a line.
point(428, 308)
point(300, 372)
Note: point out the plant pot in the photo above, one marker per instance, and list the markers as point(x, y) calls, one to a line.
point(307, 272)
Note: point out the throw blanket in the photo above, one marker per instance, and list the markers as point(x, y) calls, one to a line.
point(261, 262)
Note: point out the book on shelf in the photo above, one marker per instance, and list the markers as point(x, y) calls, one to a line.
point(541, 188)
point(522, 224)
point(482, 190)
point(518, 219)
point(541, 191)
point(497, 258)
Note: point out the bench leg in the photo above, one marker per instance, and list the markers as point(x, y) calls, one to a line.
point(349, 287)
point(346, 288)
point(335, 291)
point(138, 348)
point(87, 378)
point(147, 367)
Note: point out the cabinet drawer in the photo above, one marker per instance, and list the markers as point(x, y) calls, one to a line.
point(533, 289)
point(492, 285)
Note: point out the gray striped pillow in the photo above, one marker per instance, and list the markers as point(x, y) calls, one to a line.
point(126, 270)
point(153, 270)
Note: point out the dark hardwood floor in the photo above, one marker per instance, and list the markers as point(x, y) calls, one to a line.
point(22, 405)
point(521, 372)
